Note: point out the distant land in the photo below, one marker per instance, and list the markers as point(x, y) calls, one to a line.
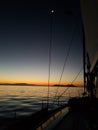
point(27, 84)
point(67, 85)
point(18, 84)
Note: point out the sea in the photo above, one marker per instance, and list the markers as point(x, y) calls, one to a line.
point(18, 101)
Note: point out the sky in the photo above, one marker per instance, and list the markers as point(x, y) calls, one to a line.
point(25, 38)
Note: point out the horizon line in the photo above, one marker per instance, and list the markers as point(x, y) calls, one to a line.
point(35, 84)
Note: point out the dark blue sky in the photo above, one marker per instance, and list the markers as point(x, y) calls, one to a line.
point(25, 39)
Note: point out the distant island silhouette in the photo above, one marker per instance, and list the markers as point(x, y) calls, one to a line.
point(18, 84)
point(27, 84)
point(67, 85)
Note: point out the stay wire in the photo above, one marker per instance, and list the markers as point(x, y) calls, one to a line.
point(72, 82)
point(65, 62)
point(50, 51)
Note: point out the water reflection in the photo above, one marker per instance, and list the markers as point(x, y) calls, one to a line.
point(24, 100)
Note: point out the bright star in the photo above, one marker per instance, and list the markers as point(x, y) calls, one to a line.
point(52, 11)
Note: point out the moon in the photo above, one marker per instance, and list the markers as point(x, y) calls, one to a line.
point(52, 11)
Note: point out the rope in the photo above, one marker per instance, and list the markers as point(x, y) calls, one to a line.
point(66, 58)
point(72, 82)
point(50, 51)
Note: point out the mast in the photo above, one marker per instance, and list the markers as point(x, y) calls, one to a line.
point(84, 59)
point(89, 11)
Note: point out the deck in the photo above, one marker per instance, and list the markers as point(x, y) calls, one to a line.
point(82, 115)
point(75, 121)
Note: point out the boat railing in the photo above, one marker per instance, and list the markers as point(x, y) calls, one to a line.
point(53, 118)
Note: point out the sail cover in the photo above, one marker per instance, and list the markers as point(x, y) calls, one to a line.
point(89, 11)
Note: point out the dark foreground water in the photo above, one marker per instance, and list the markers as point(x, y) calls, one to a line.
point(24, 100)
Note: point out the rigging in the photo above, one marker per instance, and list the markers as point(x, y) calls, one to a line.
point(72, 81)
point(65, 62)
point(50, 50)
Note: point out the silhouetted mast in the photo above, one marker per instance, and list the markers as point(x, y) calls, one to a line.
point(84, 55)
point(89, 12)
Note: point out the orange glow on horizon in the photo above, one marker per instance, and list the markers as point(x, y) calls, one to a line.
point(39, 79)
point(79, 83)
point(23, 75)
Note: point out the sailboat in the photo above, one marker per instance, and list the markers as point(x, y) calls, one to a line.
point(80, 113)
point(83, 111)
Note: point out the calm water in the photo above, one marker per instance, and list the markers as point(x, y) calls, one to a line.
point(25, 100)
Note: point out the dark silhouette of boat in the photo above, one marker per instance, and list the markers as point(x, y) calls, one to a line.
point(80, 113)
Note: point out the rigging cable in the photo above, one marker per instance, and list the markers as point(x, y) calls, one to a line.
point(66, 58)
point(50, 50)
point(72, 82)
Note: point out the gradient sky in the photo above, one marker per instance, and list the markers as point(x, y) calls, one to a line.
point(25, 38)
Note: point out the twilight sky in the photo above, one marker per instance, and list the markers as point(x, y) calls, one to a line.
point(25, 39)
